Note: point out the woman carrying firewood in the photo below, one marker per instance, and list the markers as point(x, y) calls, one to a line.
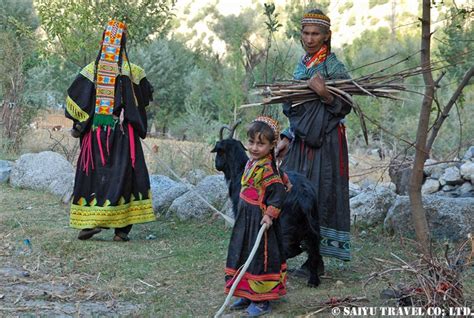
point(106, 103)
point(315, 143)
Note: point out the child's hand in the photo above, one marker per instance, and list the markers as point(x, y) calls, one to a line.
point(267, 220)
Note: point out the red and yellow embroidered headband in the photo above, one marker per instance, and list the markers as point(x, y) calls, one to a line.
point(316, 18)
point(272, 123)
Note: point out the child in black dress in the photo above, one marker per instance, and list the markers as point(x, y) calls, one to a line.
point(261, 198)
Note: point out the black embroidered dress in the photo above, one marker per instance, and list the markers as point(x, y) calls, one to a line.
point(112, 187)
point(262, 193)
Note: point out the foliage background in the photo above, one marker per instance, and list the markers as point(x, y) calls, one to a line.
point(46, 42)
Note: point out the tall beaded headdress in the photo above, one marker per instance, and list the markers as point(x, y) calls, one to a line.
point(107, 71)
point(272, 123)
point(316, 18)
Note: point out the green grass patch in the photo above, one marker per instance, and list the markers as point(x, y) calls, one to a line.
point(180, 273)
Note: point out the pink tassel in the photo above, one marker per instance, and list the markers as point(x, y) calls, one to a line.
point(85, 157)
point(99, 143)
point(108, 136)
point(131, 136)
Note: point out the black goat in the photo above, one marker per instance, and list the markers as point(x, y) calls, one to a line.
point(299, 215)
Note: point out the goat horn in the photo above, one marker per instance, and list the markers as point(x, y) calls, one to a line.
point(232, 129)
point(221, 131)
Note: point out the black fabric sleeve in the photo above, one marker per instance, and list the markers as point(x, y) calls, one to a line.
point(274, 196)
point(80, 103)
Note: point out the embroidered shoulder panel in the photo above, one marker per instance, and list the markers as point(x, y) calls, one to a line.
point(138, 73)
point(88, 71)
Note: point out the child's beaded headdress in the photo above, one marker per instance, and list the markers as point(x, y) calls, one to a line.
point(272, 123)
point(316, 18)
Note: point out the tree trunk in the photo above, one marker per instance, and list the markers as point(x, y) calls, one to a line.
point(414, 191)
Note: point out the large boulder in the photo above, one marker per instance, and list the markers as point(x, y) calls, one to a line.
point(195, 176)
point(212, 188)
point(448, 218)
point(46, 170)
point(371, 206)
point(164, 191)
point(5, 170)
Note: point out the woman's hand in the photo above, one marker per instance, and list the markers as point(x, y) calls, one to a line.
point(266, 220)
point(317, 84)
point(282, 148)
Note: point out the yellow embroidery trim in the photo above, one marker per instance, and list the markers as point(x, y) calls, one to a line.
point(75, 111)
point(316, 16)
point(138, 73)
point(88, 71)
point(111, 216)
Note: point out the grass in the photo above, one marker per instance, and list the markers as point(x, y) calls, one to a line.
point(180, 273)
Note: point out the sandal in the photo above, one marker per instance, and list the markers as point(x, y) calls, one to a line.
point(118, 238)
point(86, 234)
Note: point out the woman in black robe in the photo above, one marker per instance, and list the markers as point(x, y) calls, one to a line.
point(107, 103)
point(315, 144)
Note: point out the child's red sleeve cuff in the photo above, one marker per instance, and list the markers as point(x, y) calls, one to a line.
point(272, 211)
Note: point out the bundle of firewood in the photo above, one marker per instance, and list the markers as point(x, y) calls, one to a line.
point(375, 84)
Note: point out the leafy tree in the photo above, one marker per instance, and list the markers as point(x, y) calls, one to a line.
point(17, 55)
point(74, 27)
point(167, 64)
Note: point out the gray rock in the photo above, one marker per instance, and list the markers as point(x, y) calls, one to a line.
point(448, 218)
point(442, 182)
point(448, 188)
point(452, 176)
point(354, 189)
point(195, 176)
point(469, 153)
point(466, 190)
point(370, 207)
point(400, 176)
point(429, 165)
point(368, 184)
point(389, 185)
point(5, 170)
point(467, 171)
point(164, 191)
point(46, 170)
point(212, 188)
point(433, 169)
point(430, 186)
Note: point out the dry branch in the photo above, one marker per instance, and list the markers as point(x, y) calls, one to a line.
point(430, 281)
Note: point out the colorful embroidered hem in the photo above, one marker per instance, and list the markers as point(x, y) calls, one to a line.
point(258, 287)
point(335, 244)
point(83, 217)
